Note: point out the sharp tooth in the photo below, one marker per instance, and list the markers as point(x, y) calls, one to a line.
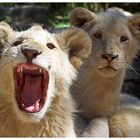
point(23, 105)
point(40, 70)
point(25, 67)
point(38, 101)
point(37, 104)
point(21, 69)
point(18, 70)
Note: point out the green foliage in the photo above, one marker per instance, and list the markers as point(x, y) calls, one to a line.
point(59, 13)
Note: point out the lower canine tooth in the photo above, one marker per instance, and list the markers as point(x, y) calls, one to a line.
point(37, 101)
point(37, 105)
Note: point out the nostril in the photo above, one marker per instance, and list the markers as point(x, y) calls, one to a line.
point(109, 57)
point(30, 54)
point(104, 56)
point(114, 57)
point(35, 53)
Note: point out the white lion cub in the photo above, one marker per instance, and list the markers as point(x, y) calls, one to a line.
point(37, 69)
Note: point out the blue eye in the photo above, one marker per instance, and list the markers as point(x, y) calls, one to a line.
point(50, 46)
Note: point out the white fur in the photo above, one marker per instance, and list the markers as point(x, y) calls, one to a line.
point(97, 128)
point(56, 59)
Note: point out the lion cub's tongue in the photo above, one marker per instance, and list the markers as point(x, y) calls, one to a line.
point(31, 92)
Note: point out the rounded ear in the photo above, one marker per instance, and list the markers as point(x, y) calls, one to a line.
point(81, 17)
point(36, 27)
point(4, 24)
point(134, 25)
point(76, 43)
point(6, 33)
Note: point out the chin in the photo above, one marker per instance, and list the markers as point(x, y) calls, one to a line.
point(107, 72)
point(29, 117)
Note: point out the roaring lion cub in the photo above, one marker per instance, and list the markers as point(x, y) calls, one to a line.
point(37, 69)
point(114, 45)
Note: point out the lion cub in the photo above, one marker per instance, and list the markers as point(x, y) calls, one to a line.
point(37, 69)
point(114, 45)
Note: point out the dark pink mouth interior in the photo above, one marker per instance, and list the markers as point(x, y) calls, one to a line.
point(31, 85)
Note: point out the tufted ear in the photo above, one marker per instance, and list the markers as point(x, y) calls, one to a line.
point(6, 33)
point(76, 43)
point(134, 25)
point(81, 17)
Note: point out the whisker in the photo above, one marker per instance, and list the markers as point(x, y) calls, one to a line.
point(8, 54)
point(96, 57)
point(119, 65)
point(4, 66)
point(120, 61)
point(98, 63)
point(131, 68)
point(4, 61)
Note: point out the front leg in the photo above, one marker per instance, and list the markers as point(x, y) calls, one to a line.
point(125, 122)
point(97, 128)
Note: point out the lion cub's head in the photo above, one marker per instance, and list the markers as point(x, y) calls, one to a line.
point(36, 67)
point(114, 40)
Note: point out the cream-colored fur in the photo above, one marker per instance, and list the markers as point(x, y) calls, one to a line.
point(98, 127)
point(125, 122)
point(97, 90)
point(6, 34)
point(55, 119)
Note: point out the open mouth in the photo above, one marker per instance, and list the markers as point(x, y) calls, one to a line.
point(31, 85)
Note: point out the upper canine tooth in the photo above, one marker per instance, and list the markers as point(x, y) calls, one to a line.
point(24, 67)
point(40, 70)
point(18, 70)
point(21, 69)
point(38, 101)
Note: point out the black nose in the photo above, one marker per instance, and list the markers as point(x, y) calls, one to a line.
point(109, 57)
point(29, 53)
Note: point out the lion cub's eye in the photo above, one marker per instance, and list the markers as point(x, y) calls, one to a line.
point(50, 46)
point(98, 35)
point(16, 43)
point(123, 38)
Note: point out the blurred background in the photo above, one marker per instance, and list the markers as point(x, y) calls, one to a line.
point(52, 15)
point(56, 16)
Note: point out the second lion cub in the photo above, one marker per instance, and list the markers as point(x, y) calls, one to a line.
point(114, 45)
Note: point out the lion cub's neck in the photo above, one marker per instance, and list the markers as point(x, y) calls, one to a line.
point(56, 123)
point(97, 96)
